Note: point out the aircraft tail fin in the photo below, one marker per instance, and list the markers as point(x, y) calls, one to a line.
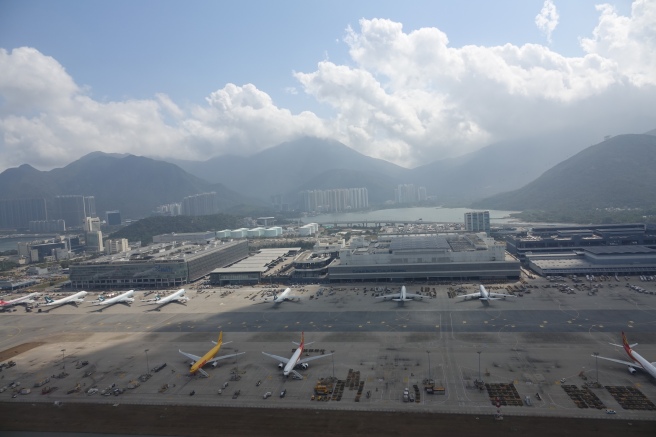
point(48, 299)
point(302, 339)
point(220, 337)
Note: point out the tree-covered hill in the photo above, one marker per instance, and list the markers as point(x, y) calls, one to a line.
point(144, 230)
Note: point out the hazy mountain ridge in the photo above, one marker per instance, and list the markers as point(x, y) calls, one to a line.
point(310, 163)
point(134, 185)
point(615, 173)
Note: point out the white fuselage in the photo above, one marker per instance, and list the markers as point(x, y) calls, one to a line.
point(177, 295)
point(77, 298)
point(282, 296)
point(25, 299)
point(125, 297)
point(646, 365)
point(484, 293)
point(291, 364)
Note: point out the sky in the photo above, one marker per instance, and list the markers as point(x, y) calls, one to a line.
point(409, 82)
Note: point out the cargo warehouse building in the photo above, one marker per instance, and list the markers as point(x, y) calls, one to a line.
point(159, 266)
point(445, 257)
point(565, 239)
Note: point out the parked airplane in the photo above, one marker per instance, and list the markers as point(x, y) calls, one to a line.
point(279, 298)
point(289, 364)
point(197, 362)
point(73, 298)
point(178, 296)
point(123, 298)
point(403, 296)
point(484, 295)
point(21, 300)
point(637, 360)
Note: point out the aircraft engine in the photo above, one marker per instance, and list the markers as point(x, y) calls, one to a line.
point(281, 365)
point(305, 365)
point(632, 370)
point(214, 364)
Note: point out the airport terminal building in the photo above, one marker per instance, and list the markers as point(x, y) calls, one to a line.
point(597, 260)
point(565, 239)
point(442, 257)
point(157, 266)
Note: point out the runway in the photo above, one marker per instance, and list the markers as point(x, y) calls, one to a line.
point(402, 320)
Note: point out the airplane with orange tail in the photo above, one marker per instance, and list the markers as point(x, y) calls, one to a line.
point(197, 362)
point(289, 364)
point(637, 361)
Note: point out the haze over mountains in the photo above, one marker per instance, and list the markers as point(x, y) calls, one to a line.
point(617, 172)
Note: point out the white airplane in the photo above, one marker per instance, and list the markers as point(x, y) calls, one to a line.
point(279, 298)
point(403, 296)
point(73, 298)
point(484, 295)
point(197, 362)
point(122, 298)
point(178, 296)
point(21, 300)
point(289, 364)
point(637, 361)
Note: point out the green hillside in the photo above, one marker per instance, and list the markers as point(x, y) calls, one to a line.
point(619, 173)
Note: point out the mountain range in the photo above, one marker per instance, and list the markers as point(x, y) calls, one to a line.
point(514, 175)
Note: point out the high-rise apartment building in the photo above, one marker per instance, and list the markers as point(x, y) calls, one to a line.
point(408, 193)
point(477, 221)
point(113, 218)
point(200, 204)
point(17, 213)
point(336, 200)
point(74, 209)
point(116, 246)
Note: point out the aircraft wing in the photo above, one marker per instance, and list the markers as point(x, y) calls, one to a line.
point(277, 357)
point(223, 357)
point(500, 294)
point(413, 296)
point(390, 296)
point(193, 357)
point(636, 365)
point(305, 360)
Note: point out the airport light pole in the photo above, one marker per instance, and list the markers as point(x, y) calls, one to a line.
point(63, 362)
point(429, 369)
point(332, 357)
point(479, 365)
point(147, 365)
point(596, 354)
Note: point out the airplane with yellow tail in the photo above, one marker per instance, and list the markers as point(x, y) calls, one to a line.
point(197, 362)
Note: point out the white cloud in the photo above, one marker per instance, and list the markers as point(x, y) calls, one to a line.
point(407, 97)
point(547, 19)
point(630, 42)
